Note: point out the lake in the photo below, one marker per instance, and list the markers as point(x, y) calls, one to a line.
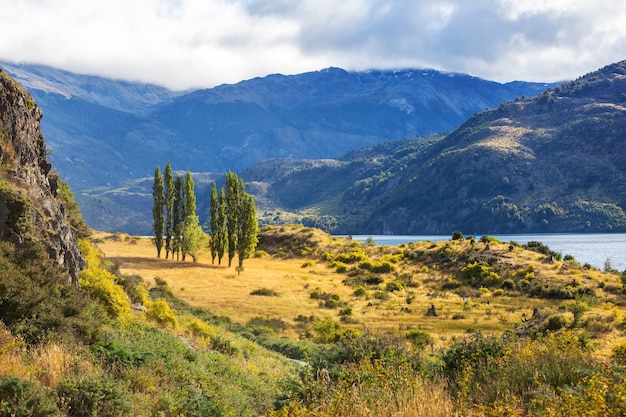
point(592, 248)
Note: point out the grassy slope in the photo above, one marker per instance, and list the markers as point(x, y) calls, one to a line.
point(295, 276)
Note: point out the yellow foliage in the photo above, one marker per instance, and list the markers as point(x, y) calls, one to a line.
point(100, 283)
point(162, 313)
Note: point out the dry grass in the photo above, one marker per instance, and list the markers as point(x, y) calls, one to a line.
point(225, 292)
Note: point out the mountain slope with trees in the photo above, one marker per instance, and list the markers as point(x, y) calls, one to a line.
point(106, 132)
point(550, 163)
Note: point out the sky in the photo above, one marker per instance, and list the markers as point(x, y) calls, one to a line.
point(183, 44)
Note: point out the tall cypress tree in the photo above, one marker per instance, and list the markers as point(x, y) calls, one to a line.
point(169, 208)
point(234, 191)
point(222, 232)
point(214, 207)
point(247, 236)
point(157, 210)
point(177, 217)
point(189, 196)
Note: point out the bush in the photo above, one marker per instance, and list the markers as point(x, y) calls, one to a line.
point(161, 312)
point(266, 292)
point(22, 398)
point(419, 338)
point(100, 283)
point(508, 284)
point(457, 235)
point(87, 397)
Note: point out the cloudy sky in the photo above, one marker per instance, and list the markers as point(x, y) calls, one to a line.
point(202, 43)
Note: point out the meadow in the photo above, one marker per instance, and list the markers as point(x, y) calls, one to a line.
point(299, 272)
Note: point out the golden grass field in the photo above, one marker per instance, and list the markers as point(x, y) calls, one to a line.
point(225, 292)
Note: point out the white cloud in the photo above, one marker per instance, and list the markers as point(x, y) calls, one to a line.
point(194, 43)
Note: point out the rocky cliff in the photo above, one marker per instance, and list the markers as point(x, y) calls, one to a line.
point(29, 205)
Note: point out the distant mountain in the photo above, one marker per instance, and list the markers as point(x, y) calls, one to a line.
point(551, 163)
point(104, 133)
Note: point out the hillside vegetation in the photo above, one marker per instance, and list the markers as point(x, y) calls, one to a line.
point(550, 163)
point(551, 329)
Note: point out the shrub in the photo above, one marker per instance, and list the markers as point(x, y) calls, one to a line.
point(394, 286)
point(161, 312)
point(419, 338)
point(266, 292)
point(20, 397)
point(618, 353)
point(100, 283)
point(360, 291)
point(508, 284)
point(87, 397)
point(457, 235)
point(555, 322)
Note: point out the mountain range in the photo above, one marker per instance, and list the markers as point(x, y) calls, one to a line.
point(107, 136)
point(549, 163)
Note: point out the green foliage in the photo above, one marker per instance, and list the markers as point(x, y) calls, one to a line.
point(24, 398)
point(420, 339)
point(94, 396)
point(36, 297)
point(266, 292)
point(382, 267)
point(18, 218)
point(457, 235)
point(158, 197)
point(193, 237)
point(74, 215)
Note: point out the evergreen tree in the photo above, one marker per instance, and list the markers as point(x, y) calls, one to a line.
point(157, 210)
point(189, 196)
point(177, 217)
point(214, 207)
point(234, 191)
point(247, 236)
point(188, 205)
point(222, 235)
point(169, 208)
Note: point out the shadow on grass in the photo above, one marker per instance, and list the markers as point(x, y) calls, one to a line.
point(143, 262)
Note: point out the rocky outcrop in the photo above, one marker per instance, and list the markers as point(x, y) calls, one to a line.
point(29, 207)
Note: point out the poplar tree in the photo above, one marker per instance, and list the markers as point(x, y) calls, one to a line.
point(177, 217)
point(214, 207)
point(234, 190)
point(240, 219)
point(169, 208)
point(247, 237)
point(157, 210)
point(189, 196)
point(221, 230)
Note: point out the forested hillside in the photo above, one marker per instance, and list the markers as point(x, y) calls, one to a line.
point(550, 163)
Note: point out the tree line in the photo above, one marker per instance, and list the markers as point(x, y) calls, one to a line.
point(176, 227)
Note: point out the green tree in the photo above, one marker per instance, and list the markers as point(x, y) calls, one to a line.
point(188, 205)
point(215, 225)
point(222, 232)
point(194, 238)
point(247, 235)
point(177, 217)
point(234, 191)
point(158, 195)
point(189, 196)
point(169, 208)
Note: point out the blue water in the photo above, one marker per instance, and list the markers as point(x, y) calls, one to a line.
point(592, 248)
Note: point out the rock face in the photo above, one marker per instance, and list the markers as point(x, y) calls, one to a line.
point(29, 207)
